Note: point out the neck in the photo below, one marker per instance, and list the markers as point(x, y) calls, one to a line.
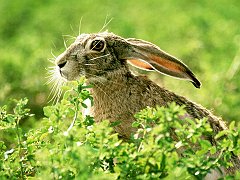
point(112, 100)
point(110, 94)
point(113, 81)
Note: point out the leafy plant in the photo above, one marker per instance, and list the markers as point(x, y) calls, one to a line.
point(66, 145)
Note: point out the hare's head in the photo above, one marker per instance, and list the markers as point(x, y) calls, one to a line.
point(91, 55)
point(97, 55)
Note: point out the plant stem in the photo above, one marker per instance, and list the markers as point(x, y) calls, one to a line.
point(74, 118)
point(19, 147)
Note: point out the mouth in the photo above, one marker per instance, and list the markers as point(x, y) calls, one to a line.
point(63, 76)
point(66, 75)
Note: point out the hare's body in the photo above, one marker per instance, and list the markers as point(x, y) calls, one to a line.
point(102, 58)
point(121, 95)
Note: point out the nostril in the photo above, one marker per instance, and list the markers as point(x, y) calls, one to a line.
point(62, 64)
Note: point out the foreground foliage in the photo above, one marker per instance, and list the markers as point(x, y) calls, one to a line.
point(66, 145)
point(204, 34)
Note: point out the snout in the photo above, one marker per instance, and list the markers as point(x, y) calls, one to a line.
point(61, 60)
point(69, 62)
point(68, 69)
point(61, 65)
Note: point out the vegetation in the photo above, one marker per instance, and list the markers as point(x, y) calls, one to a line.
point(86, 150)
point(205, 35)
point(35, 138)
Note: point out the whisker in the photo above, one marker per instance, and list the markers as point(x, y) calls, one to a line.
point(106, 23)
point(69, 36)
point(50, 80)
point(53, 54)
point(101, 90)
point(99, 57)
point(57, 83)
point(59, 92)
point(54, 87)
point(80, 25)
point(64, 42)
point(51, 94)
point(56, 96)
point(51, 60)
point(50, 67)
point(95, 45)
point(56, 91)
point(51, 73)
point(54, 45)
point(72, 29)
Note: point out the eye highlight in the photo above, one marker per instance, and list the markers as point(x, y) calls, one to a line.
point(97, 45)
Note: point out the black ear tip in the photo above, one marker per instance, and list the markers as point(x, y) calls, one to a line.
point(196, 83)
point(193, 79)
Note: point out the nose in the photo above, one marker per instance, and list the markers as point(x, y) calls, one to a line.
point(61, 60)
point(61, 65)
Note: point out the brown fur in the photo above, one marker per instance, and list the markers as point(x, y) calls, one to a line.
point(125, 95)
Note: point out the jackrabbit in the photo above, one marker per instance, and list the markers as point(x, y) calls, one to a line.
point(103, 59)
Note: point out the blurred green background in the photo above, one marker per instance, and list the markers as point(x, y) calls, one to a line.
point(204, 34)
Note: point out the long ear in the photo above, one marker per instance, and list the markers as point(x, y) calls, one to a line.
point(145, 55)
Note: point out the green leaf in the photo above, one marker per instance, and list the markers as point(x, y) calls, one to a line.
point(135, 124)
point(205, 144)
point(47, 111)
point(232, 125)
point(115, 123)
point(213, 150)
point(221, 133)
point(87, 87)
point(84, 105)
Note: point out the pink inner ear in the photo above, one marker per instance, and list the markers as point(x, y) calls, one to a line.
point(140, 64)
point(171, 66)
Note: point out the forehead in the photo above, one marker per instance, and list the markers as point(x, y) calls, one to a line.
point(82, 38)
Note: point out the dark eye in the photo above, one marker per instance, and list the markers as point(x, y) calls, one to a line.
point(97, 45)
